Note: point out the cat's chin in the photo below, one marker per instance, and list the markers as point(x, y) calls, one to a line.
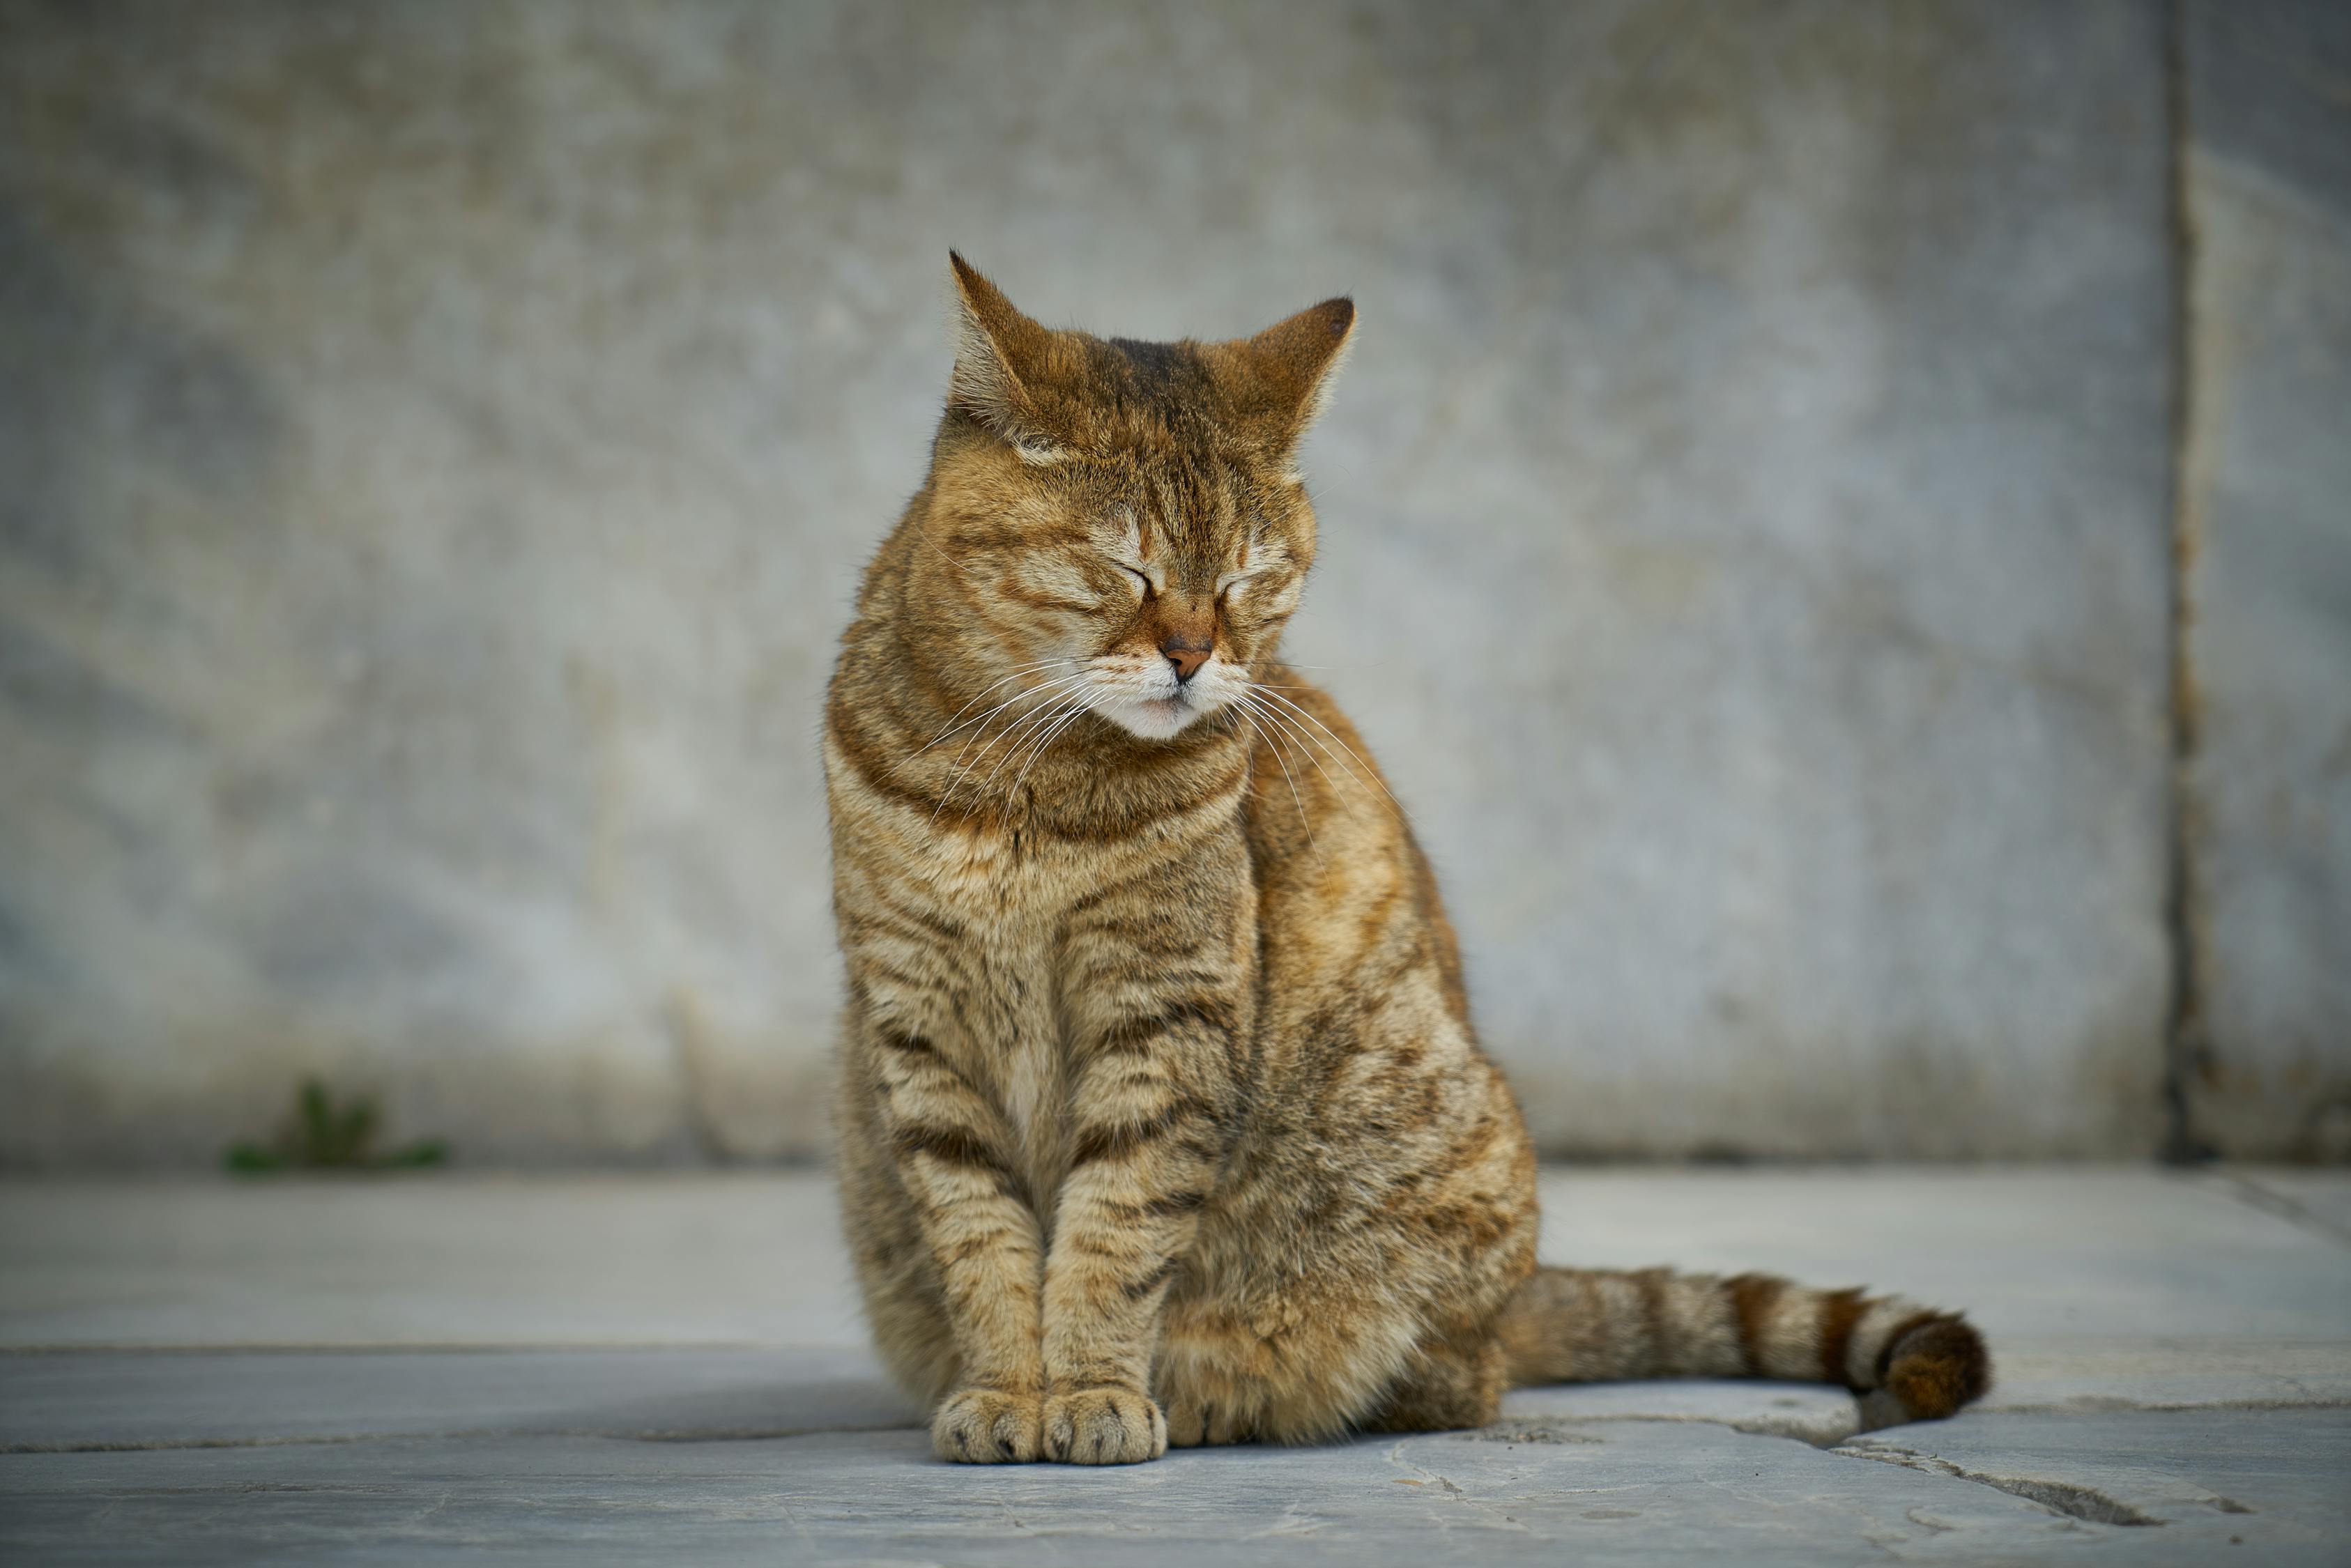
point(1153, 718)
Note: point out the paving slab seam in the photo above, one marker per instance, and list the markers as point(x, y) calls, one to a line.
point(468, 1434)
point(2292, 1210)
point(419, 1347)
point(2103, 1404)
point(1830, 1436)
point(1533, 1430)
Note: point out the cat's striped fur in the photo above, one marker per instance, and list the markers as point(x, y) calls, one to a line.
point(1161, 1118)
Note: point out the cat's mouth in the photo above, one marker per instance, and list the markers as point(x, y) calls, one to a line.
point(1149, 703)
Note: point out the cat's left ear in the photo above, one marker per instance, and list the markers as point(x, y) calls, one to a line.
point(1295, 362)
point(1003, 360)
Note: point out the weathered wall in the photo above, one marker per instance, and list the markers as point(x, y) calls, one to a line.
point(437, 444)
point(2267, 495)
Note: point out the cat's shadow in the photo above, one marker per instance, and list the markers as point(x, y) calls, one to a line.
point(717, 1394)
point(759, 1409)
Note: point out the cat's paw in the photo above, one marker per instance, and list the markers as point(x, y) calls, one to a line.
point(983, 1426)
point(1193, 1422)
point(1103, 1427)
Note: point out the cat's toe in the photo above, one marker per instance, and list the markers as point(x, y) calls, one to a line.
point(1103, 1427)
point(1193, 1423)
point(1187, 1423)
point(983, 1426)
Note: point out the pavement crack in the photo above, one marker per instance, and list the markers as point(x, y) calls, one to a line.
point(2079, 1501)
point(1484, 1511)
point(1537, 1432)
point(1817, 1432)
point(2068, 1498)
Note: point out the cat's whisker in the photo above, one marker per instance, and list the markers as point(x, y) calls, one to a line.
point(1005, 738)
point(1315, 747)
point(1033, 725)
point(1303, 741)
point(1323, 748)
point(1052, 735)
point(938, 550)
point(1343, 746)
point(1053, 689)
point(1026, 669)
point(1295, 798)
point(1008, 675)
point(1016, 739)
point(1031, 747)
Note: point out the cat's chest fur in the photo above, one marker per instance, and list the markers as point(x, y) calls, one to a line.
point(1011, 895)
point(965, 931)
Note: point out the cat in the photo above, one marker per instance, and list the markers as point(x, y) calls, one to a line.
point(1160, 1117)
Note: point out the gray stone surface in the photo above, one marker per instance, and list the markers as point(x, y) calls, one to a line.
point(2070, 1270)
point(440, 440)
point(92, 1400)
point(2268, 488)
point(680, 1259)
point(2175, 1356)
point(1621, 1492)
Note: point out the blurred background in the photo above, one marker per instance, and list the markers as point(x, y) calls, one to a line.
point(1838, 526)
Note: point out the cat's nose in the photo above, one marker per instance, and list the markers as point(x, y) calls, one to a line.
point(1188, 655)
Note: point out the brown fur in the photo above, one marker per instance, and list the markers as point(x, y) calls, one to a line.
point(1161, 1117)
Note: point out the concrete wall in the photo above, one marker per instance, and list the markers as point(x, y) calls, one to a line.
point(437, 442)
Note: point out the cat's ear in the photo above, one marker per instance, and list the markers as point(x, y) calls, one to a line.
point(998, 354)
point(1295, 360)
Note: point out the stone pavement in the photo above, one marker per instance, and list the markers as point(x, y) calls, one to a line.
point(606, 1368)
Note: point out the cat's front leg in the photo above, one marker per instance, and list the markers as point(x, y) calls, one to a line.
point(953, 1161)
point(1154, 1103)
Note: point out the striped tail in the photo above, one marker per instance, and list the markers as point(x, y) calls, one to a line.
point(1578, 1325)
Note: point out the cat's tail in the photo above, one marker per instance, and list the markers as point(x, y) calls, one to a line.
point(1580, 1325)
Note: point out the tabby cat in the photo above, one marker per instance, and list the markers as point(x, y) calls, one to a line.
point(1161, 1120)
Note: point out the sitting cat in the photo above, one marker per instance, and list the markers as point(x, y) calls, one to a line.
point(1161, 1117)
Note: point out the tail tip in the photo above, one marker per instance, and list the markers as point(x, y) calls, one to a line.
point(1938, 1367)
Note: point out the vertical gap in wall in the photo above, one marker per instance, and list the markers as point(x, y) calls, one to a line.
point(2185, 1039)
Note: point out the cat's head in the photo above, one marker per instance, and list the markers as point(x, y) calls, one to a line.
point(1120, 524)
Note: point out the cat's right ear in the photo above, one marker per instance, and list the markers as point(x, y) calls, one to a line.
point(999, 355)
point(1295, 362)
